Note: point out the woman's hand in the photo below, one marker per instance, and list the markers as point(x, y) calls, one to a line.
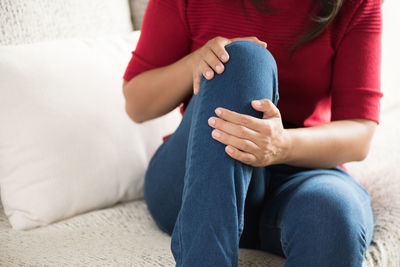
point(210, 56)
point(253, 141)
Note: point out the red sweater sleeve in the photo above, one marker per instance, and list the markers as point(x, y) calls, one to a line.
point(164, 37)
point(356, 68)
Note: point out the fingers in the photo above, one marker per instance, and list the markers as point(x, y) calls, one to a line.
point(251, 38)
point(218, 48)
point(203, 69)
point(244, 157)
point(196, 82)
point(212, 55)
point(242, 144)
point(241, 119)
point(267, 107)
point(206, 70)
point(239, 131)
point(211, 59)
point(214, 62)
point(255, 39)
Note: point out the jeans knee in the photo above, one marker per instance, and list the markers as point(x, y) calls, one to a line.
point(249, 74)
point(340, 219)
point(253, 52)
point(253, 61)
point(329, 214)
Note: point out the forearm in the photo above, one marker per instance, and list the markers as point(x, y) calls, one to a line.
point(156, 92)
point(331, 144)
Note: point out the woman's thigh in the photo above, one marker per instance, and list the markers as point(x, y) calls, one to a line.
point(317, 217)
point(163, 183)
point(164, 179)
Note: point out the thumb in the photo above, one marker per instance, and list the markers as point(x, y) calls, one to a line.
point(267, 107)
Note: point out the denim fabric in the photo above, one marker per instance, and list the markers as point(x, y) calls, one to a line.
point(212, 204)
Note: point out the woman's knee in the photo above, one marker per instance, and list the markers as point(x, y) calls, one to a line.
point(250, 54)
point(250, 73)
point(326, 215)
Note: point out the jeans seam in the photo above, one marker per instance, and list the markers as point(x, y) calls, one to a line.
point(283, 241)
point(180, 241)
point(192, 129)
point(276, 91)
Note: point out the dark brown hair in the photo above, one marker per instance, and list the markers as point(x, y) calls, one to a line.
point(328, 10)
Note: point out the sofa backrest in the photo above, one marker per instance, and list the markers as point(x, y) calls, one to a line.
point(29, 21)
point(138, 8)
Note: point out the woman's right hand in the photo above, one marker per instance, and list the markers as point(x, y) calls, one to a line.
point(209, 58)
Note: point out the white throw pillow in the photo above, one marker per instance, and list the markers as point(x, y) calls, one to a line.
point(66, 143)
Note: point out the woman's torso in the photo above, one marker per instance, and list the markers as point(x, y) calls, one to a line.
point(304, 78)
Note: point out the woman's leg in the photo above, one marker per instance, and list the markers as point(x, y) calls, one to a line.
point(163, 183)
point(322, 217)
point(210, 221)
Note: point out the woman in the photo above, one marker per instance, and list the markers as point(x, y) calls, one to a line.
point(242, 169)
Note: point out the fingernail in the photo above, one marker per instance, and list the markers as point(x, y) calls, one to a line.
point(218, 111)
point(208, 73)
point(230, 150)
point(218, 68)
point(211, 121)
point(223, 57)
point(216, 133)
point(257, 103)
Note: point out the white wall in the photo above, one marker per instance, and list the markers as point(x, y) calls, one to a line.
point(391, 54)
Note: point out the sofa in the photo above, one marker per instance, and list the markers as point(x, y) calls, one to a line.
point(124, 234)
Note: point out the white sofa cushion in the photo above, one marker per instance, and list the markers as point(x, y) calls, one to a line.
point(66, 143)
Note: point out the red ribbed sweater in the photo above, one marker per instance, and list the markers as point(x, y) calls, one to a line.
point(336, 76)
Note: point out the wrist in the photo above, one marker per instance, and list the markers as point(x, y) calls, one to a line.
point(189, 62)
point(287, 153)
point(187, 70)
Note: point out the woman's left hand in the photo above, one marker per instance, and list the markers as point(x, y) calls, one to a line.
point(253, 141)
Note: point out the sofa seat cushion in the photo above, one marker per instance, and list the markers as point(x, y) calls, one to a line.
point(125, 234)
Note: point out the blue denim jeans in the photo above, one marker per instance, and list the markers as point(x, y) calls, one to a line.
point(212, 204)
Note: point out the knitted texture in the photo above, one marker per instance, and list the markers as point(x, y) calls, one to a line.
point(126, 235)
point(324, 89)
point(31, 21)
point(380, 175)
